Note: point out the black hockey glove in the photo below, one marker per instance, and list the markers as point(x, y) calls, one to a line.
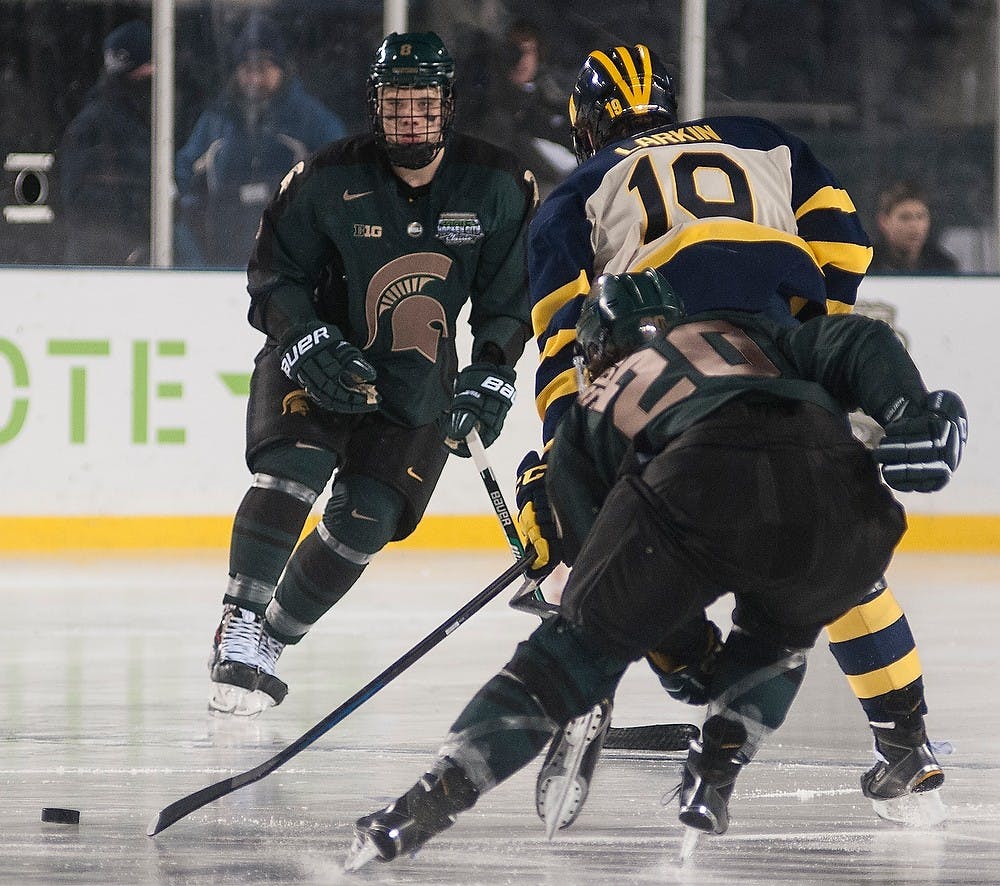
point(332, 371)
point(535, 517)
point(484, 393)
point(922, 448)
point(689, 683)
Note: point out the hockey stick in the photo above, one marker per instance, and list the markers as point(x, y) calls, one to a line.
point(186, 805)
point(662, 737)
point(528, 597)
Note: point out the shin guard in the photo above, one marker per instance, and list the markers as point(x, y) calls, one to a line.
point(319, 574)
point(755, 683)
point(554, 676)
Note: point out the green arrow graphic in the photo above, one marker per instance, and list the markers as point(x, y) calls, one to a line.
point(237, 382)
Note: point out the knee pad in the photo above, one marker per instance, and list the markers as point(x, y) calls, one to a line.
point(307, 465)
point(756, 622)
point(565, 669)
point(363, 513)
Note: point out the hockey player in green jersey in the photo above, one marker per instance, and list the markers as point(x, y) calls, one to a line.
point(716, 452)
point(363, 261)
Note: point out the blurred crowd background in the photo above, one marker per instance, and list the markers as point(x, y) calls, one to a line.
point(885, 91)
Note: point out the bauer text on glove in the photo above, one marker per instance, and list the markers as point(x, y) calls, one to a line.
point(332, 371)
point(484, 393)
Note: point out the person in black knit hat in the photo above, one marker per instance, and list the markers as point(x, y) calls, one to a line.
point(104, 158)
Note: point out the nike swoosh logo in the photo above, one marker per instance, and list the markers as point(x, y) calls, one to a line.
point(348, 196)
point(358, 516)
point(412, 473)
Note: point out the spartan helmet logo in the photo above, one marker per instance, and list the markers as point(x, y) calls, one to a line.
point(418, 321)
point(295, 403)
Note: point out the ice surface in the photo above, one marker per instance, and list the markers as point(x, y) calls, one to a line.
point(103, 687)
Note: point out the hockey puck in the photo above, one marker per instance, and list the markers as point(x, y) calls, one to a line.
point(60, 816)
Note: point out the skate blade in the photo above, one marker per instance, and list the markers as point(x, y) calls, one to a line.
point(564, 794)
point(363, 850)
point(235, 701)
point(562, 801)
point(923, 810)
point(689, 843)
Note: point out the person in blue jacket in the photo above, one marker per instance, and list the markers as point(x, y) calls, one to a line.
point(242, 146)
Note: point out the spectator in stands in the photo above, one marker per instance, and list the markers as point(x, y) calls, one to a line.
point(241, 148)
point(902, 243)
point(526, 110)
point(104, 158)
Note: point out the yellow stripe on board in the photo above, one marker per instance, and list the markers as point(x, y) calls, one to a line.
point(34, 534)
point(952, 533)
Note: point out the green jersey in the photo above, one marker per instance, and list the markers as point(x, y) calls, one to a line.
point(347, 242)
point(652, 396)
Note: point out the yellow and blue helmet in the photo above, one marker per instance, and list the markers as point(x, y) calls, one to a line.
point(618, 92)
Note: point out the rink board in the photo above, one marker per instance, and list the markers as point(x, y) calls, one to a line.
point(123, 395)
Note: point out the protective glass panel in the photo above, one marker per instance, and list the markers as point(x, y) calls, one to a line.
point(886, 93)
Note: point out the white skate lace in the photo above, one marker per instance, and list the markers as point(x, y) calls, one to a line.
point(268, 652)
point(240, 640)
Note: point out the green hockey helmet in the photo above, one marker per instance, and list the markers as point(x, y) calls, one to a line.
point(621, 313)
point(415, 60)
point(619, 92)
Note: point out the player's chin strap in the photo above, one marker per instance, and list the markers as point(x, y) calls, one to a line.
point(528, 597)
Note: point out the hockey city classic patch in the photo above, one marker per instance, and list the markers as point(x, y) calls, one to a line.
point(459, 228)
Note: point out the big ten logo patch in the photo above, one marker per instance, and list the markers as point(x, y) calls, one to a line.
point(368, 231)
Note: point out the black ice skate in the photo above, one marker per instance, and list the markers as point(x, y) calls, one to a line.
point(426, 809)
point(905, 765)
point(710, 774)
point(564, 779)
point(242, 665)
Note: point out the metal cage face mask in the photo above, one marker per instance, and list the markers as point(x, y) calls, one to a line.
point(411, 123)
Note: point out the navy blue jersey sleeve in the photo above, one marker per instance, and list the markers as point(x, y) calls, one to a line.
point(560, 263)
point(828, 221)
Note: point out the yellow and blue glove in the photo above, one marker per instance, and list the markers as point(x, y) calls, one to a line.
point(535, 516)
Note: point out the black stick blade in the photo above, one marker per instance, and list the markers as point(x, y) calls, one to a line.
point(186, 805)
point(661, 737)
